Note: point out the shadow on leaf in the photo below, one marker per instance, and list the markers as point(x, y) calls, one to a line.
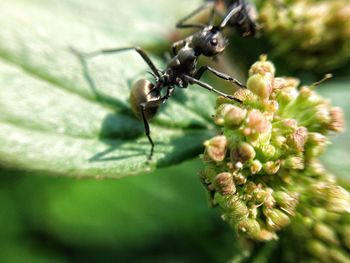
point(115, 146)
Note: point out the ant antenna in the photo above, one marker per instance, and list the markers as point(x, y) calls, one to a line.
point(227, 18)
point(325, 78)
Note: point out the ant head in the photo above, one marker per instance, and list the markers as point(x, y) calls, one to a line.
point(209, 42)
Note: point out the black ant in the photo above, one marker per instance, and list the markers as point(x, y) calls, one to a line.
point(146, 97)
point(244, 21)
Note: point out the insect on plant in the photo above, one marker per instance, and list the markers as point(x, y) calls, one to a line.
point(244, 21)
point(146, 97)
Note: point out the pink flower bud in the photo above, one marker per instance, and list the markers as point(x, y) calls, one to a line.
point(216, 148)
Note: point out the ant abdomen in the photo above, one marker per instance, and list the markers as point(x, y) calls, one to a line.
point(141, 92)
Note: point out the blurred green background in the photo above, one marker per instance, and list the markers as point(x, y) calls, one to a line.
point(159, 217)
point(162, 216)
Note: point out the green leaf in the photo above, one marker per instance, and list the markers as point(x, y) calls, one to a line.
point(128, 211)
point(337, 155)
point(152, 213)
point(22, 252)
point(59, 116)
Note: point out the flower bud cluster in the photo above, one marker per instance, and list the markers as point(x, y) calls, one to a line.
point(317, 31)
point(255, 170)
point(321, 230)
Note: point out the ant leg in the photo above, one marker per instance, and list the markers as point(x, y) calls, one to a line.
point(151, 104)
point(219, 74)
point(147, 130)
point(192, 80)
point(139, 50)
point(181, 23)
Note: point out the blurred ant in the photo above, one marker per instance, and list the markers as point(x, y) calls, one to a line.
point(146, 97)
point(244, 21)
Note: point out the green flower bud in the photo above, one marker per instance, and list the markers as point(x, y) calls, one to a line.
point(260, 85)
point(305, 94)
point(221, 112)
point(285, 96)
point(287, 84)
point(320, 213)
point(268, 151)
point(316, 144)
point(271, 167)
point(270, 106)
point(235, 116)
point(308, 222)
point(239, 178)
point(286, 201)
point(318, 250)
point(260, 196)
point(322, 114)
point(332, 216)
point(325, 233)
point(338, 199)
point(335, 198)
point(250, 187)
point(235, 209)
point(315, 167)
point(249, 227)
point(216, 148)
point(247, 96)
point(293, 162)
point(209, 172)
point(265, 235)
point(276, 219)
point(279, 141)
point(262, 67)
point(336, 255)
point(346, 236)
point(255, 167)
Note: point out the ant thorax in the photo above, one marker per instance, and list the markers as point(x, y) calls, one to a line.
point(184, 62)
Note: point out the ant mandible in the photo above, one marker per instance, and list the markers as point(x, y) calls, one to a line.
point(145, 96)
point(244, 21)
